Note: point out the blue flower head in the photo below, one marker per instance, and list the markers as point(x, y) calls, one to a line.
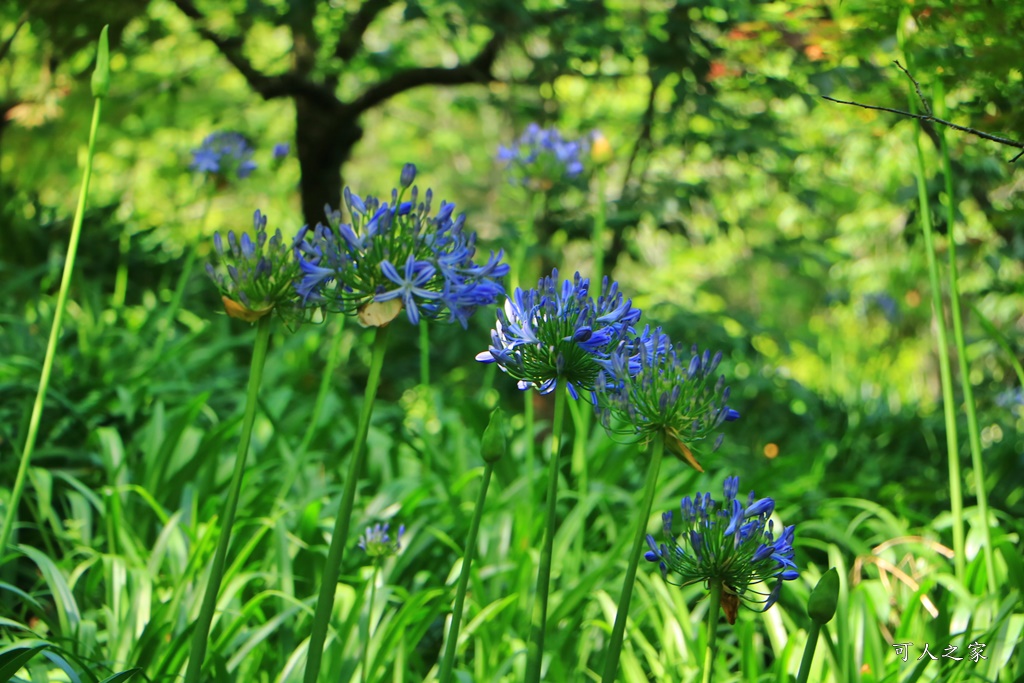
point(728, 542)
point(558, 333)
point(396, 255)
point(651, 389)
point(256, 274)
point(378, 544)
point(541, 158)
point(224, 154)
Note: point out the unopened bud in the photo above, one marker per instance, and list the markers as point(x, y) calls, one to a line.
point(101, 76)
point(408, 175)
point(821, 606)
point(493, 444)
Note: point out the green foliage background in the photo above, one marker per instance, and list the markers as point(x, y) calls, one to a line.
point(748, 214)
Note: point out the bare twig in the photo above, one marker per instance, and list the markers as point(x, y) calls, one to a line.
point(917, 87)
point(929, 117)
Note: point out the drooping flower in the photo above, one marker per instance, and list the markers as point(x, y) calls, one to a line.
point(378, 544)
point(395, 256)
point(541, 158)
point(651, 389)
point(257, 274)
point(223, 154)
point(730, 543)
point(557, 333)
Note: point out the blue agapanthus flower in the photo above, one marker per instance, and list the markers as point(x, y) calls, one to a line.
point(223, 153)
point(558, 333)
point(257, 274)
point(541, 158)
point(651, 389)
point(396, 256)
point(378, 543)
point(727, 542)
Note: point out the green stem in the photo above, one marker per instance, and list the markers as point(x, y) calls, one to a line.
point(809, 647)
point(448, 663)
point(973, 433)
point(333, 357)
point(600, 222)
point(540, 611)
point(339, 537)
point(714, 607)
point(368, 632)
point(581, 423)
point(611, 667)
point(51, 345)
point(424, 353)
point(200, 635)
point(948, 406)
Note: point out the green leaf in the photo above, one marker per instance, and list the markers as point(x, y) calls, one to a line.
point(124, 675)
point(13, 660)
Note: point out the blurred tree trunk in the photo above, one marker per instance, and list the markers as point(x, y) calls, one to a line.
point(325, 137)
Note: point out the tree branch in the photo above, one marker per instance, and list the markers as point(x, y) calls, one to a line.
point(269, 87)
point(351, 38)
point(929, 118)
point(475, 71)
point(14, 34)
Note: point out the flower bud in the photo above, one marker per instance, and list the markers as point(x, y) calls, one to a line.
point(821, 606)
point(408, 175)
point(493, 444)
point(101, 76)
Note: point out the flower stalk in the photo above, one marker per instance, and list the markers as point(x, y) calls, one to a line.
point(711, 652)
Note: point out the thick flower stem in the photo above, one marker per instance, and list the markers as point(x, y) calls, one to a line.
point(812, 644)
point(51, 344)
point(200, 635)
point(714, 607)
point(339, 537)
point(448, 663)
point(540, 610)
point(611, 667)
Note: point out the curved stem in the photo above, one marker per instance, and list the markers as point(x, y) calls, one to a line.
point(51, 344)
point(201, 633)
point(448, 663)
point(714, 607)
point(540, 610)
point(808, 658)
point(339, 537)
point(611, 667)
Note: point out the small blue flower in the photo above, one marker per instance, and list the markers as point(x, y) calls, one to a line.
point(541, 158)
point(730, 543)
point(396, 255)
point(378, 544)
point(222, 153)
point(559, 333)
point(281, 150)
point(260, 273)
point(651, 389)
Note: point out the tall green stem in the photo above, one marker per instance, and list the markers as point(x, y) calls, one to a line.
point(518, 268)
point(368, 632)
point(339, 537)
point(809, 648)
point(540, 611)
point(948, 406)
point(714, 607)
point(448, 663)
point(973, 433)
point(201, 633)
point(51, 345)
point(611, 665)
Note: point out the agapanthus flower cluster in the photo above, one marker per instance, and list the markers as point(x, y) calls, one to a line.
point(222, 154)
point(559, 334)
point(396, 255)
point(378, 544)
point(541, 158)
point(731, 543)
point(257, 274)
point(651, 389)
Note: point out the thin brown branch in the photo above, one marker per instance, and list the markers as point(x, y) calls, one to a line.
point(932, 119)
point(351, 37)
point(268, 86)
point(917, 87)
point(478, 70)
